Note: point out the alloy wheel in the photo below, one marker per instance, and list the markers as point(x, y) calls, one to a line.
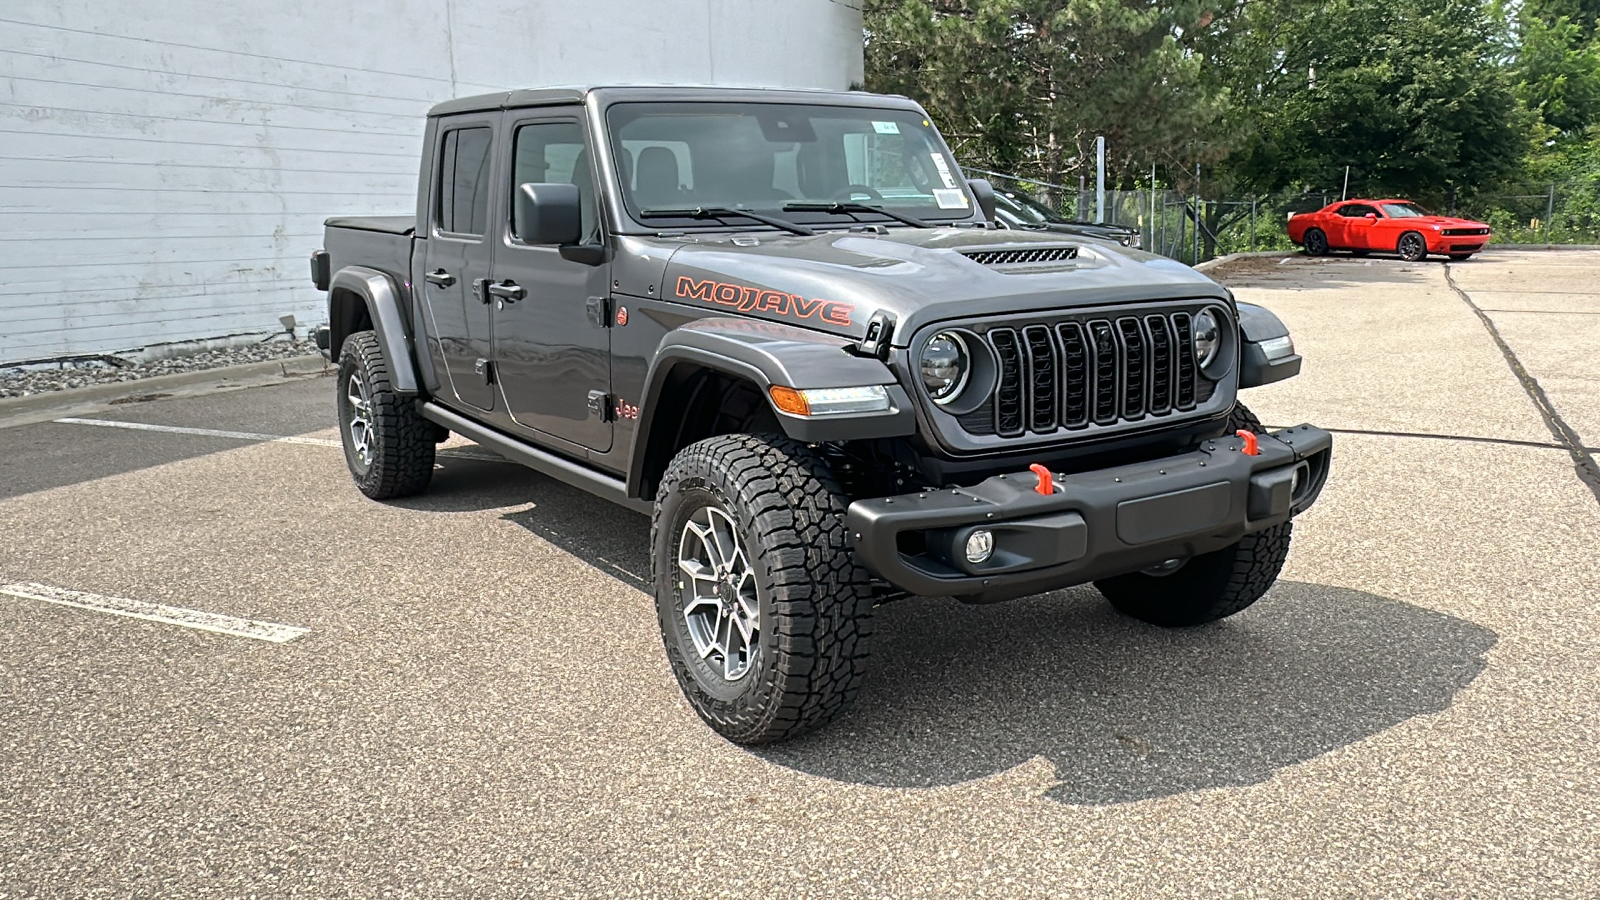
point(360, 424)
point(720, 606)
point(1412, 248)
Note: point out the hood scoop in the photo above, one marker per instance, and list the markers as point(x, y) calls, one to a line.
point(1022, 256)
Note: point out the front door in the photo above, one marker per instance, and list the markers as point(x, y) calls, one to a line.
point(460, 253)
point(553, 358)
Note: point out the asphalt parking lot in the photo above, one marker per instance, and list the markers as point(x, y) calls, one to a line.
point(480, 706)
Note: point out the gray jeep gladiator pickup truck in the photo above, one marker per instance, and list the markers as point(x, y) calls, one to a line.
point(784, 325)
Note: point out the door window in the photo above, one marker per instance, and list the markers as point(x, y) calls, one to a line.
point(554, 153)
point(463, 206)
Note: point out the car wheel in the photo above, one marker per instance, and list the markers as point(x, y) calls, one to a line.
point(1208, 587)
point(764, 612)
point(1412, 248)
point(388, 445)
point(1458, 257)
point(1315, 242)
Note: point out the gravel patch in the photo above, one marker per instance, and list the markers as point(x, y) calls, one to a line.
point(16, 382)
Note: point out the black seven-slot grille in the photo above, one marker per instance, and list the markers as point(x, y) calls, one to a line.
point(1098, 371)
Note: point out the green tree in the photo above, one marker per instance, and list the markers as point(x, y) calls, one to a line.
point(1556, 60)
point(1026, 85)
point(1409, 95)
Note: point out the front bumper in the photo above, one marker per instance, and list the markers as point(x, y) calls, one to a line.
point(1454, 243)
point(1095, 524)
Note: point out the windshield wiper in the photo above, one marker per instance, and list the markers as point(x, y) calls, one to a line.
point(720, 212)
point(843, 207)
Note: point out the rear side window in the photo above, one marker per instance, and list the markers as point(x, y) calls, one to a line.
point(463, 206)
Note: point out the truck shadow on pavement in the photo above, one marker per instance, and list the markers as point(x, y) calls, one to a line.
point(1126, 711)
point(1123, 711)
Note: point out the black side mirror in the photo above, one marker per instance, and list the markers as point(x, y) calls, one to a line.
point(984, 191)
point(547, 214)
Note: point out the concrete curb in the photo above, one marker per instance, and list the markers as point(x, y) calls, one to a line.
point(1493, 247)
point(1259, 254)
point(50, 405)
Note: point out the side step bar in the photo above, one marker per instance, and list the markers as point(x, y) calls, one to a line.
point(557, 467)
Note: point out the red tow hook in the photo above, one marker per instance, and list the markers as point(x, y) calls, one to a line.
point(1251, 448)
point(1047, 483)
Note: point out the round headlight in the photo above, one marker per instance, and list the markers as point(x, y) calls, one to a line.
point(1207, 337)
point(944, 366)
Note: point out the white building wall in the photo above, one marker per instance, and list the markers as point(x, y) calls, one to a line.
point(165, 167)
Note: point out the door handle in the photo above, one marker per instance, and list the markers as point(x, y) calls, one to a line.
point(440, 277)
point(509, 291)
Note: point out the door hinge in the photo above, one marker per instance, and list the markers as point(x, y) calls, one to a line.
point(485, 370)
point(599, 310)
point(600, 405)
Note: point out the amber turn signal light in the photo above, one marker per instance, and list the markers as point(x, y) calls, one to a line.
point(789, 400)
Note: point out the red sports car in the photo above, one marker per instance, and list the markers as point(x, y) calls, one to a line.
point(1389, 226)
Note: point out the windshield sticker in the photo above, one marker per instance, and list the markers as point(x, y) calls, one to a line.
point(886, 127)
point(949, 199)
point(944, 170)
point(749, 299)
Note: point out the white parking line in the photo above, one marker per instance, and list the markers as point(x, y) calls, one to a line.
point(455, 452)
point(156, 612)
point(204, 432)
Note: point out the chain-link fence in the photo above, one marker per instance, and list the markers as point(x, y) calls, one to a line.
point(1193, 228)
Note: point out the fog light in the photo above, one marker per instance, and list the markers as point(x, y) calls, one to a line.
point(980, 546)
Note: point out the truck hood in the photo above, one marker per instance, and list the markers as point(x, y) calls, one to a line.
point(837, 281)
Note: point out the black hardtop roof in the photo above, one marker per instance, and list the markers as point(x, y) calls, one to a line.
point(555, 96)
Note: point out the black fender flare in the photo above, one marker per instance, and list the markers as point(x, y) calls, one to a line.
point(354, 287)
point(1267, 352)
point(765, 354)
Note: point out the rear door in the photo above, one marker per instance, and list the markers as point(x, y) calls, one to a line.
point(460, 254)
point(552, 344)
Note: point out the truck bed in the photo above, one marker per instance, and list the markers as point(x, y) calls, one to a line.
point(382, 224)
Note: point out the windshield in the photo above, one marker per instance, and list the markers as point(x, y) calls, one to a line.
point(767, 156)
point(1025, 208)
point(1405, 210)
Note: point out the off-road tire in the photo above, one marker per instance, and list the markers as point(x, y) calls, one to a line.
point(1412, 247)
point(1211, 586)
point(401, 440)
point(1315, 240)
point(815, 600)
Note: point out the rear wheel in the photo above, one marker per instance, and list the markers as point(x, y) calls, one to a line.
point(1412, 247)
point(1208, 587)
point(1316, 242)
point(387, 444)
point(764, 612)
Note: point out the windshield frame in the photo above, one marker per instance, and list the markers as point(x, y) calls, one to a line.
point(628, 218)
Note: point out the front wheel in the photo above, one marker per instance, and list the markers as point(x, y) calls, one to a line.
point(764, 611)
point(1412, 247)
point(1208, 587)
